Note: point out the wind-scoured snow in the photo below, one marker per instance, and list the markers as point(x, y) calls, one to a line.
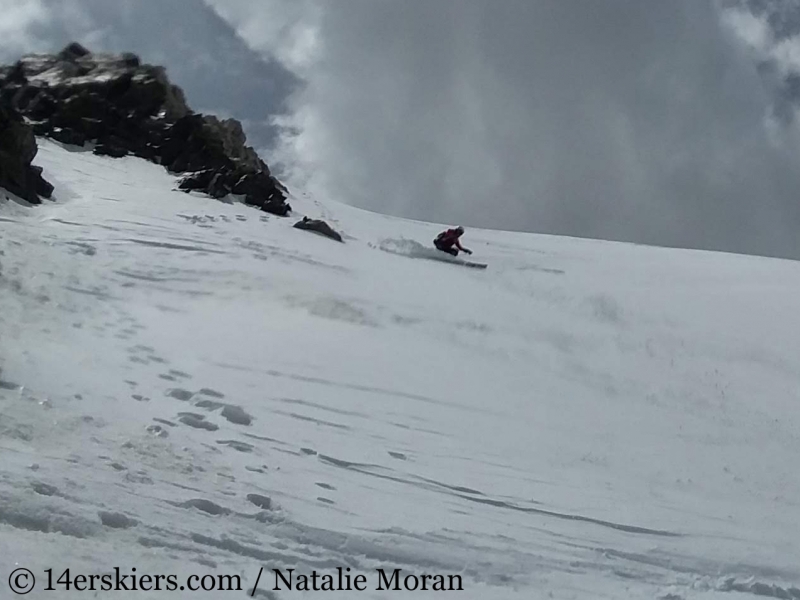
point(195, 387)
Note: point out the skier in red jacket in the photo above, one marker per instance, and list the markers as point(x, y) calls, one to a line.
point(448, 241)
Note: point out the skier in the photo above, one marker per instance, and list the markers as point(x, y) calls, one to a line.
point(448, 241)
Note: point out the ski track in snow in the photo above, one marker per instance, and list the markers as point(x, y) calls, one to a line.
point(190, 386)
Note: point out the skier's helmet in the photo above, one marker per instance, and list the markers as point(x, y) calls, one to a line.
point(460, 230)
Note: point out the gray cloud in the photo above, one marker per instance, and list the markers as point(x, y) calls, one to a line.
point(202, 52)
point(17, 20)
point(637, 120)
point(771, 31)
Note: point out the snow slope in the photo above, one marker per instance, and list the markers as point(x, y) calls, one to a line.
point(583, 419)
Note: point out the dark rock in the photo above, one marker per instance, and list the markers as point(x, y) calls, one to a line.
point(217, 188)
point(77, 107)
point(277, 206)
point(231, 134)
point(73, 51)
point(68, 136)
point(137, 91)
point(146, 151)
point(94, 129)
point(251, 200)
point(181, 163)
point(67, 68)
point(42, 107)
point(42, 187)
point(319, 226)
point(185, 126)
point(17, 74)
point(197, 181)
point(18, 138)
point(23, 97)
point(41, 127)
point(127, 107)
point(243, 185)
point(130, 60)
point(279, 186)
point(170, 149)
point(17, 151)
point(255, 184)
point(110, 149)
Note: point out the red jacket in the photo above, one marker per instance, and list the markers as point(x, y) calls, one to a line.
point(449, 238)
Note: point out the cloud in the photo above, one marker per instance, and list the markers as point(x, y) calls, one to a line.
point(771, 32)
point(636, 120)
point(18, 21)
point(657, 122)
point(202, 52)
point(282, 28)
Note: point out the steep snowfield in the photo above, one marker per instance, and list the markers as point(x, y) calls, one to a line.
point(581, 420)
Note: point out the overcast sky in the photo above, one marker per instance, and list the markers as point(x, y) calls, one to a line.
point(643, 120)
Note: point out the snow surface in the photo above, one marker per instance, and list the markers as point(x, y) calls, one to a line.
point(583, 419)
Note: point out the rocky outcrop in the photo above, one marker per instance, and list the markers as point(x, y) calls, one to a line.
point(17, 151)
point(123, 107)
point(319, 226)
